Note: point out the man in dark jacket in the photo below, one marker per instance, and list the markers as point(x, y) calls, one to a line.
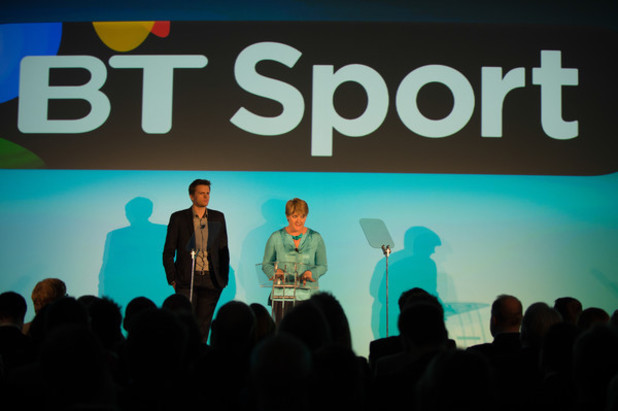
point(196, 256)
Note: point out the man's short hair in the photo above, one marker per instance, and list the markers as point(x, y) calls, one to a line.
point(421, 324)
point(507, 310)
point(12, 307)
point(198, 182)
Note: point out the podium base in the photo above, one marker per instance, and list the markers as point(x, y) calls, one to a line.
point(281, 307)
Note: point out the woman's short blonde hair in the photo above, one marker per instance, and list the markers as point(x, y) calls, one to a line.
point(296, 205)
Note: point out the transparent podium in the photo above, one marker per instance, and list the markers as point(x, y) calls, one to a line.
point(287, 284)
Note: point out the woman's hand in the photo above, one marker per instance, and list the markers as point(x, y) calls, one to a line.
point(279, 274)
point(307, 276)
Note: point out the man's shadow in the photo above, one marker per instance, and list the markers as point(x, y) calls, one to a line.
point(407, 268)
point(132, 260)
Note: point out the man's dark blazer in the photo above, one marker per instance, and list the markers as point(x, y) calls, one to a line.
point(180, 237)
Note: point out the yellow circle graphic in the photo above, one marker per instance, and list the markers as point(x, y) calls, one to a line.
point(123, 35)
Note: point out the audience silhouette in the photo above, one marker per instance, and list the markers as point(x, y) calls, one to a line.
point(457, 380)
point(591, 316)
point(280, 375)
point(504, 353)
point(307, 322)
point(386, 346)
point(264, 323)
point(556, 389)
point(136, 306)
point(155, 355)
point(15, 346)
point(74, 369)
point(423, 336)
point(569, 308)
point(45, 292)
point(595, 363)
point(224, 367)
point(82, 353)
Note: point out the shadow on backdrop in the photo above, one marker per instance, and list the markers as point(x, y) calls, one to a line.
point(414, 267)
point(252, 253)
point(407, 268)
point(609, 284)
point(132, 260)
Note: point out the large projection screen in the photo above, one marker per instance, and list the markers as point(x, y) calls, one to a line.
point(486, 146)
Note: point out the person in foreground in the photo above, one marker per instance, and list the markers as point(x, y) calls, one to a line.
point(198, 235)
point(294, 249)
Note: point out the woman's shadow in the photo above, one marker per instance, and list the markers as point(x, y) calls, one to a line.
point(408, 268)
point(252, 280)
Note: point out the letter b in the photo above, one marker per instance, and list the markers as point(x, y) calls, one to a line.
point(35, 93)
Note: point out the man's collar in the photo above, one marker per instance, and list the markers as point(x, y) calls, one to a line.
point(196, 214)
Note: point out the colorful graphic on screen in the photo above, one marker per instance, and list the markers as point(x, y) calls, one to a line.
point(487, 151)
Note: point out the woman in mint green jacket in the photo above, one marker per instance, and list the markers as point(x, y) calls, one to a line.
point(294, 259)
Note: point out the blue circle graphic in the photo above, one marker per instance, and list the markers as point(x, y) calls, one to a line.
point(18, 41)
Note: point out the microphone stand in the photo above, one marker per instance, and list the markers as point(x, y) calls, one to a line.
point(386, 249)
point(192, 274)
point(378, 237)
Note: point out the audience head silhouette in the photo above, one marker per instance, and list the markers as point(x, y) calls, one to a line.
point(73, 368)
point(569, 308)
point(307, 323)
point(47, 291)
point(335, 316)
point(536, 321)
point(156, 334)
point(456, 380)
point(506, 315)
point(233, 328)
point(415, 295)
point(66, 310)
point(595, 363)
point(177, 303)
point(136, 306)
point(264, 323)
point(106, 322)
point(76, 357)
point(277, 356)
point(592, 316)
point(421, 325)
point(12, 309)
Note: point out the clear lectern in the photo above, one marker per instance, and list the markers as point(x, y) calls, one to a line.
point(287, 285)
